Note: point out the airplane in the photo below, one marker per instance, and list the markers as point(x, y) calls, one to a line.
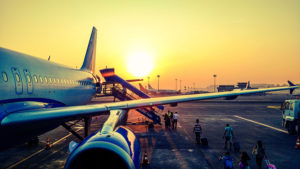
point(153, 91)
point(37, 95)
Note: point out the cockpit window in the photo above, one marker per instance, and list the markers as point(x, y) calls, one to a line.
point(4, 77)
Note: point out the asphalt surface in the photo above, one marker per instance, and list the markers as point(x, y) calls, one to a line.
point(252, 118)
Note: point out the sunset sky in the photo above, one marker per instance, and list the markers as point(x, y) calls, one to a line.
point(189, 40)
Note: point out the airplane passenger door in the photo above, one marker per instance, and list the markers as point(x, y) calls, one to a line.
point(18, 80)
point(28, 81)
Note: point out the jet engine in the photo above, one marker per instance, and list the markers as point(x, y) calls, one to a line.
point(117, 149)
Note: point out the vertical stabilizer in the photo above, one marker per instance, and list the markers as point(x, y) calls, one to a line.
point(142, 88)
point(90, 56)
point(150, 87)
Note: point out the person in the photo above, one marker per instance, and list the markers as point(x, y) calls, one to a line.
point(244, 161)
point(175, 119)
point(171, 120)
point(197, 131)
point(166, 120)
point(228, 134)
point(227, 160)
point(259, 152)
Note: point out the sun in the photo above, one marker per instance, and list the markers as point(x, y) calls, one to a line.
point(140, 63)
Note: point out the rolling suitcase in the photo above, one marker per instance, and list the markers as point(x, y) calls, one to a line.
point(204, 141)
point(269, 165)
point(236, 147)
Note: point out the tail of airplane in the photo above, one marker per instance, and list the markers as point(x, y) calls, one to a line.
point(149, 86)
point(90, 56)
point(142, 88)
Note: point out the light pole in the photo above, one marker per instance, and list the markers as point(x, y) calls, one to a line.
point(215, 76)
point(148, 81)
point(180, 85)
point(194, 86)
point(175, 84)
point(158, 76)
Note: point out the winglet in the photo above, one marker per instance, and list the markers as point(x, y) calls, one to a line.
point(90, 56)
point(291, 84)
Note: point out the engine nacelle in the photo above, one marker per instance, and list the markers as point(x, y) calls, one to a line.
point(119, 149)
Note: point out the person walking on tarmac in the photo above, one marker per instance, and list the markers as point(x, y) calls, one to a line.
point(171, 120)
point(244, 161)
point(167, 120)
point(259, 152)
point(228, 164)
point(228, 134)
point(197, 131)
point(175, 119)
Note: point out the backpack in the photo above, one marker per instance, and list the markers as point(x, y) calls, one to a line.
point(228, 162)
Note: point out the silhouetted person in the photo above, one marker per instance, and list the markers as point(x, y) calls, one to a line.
point(228, 134)
point(171, 120)
point(175, 119)
point(259, 152)
point(227, 160)
point(244, 160)
point(167, 120)
point(197, 131)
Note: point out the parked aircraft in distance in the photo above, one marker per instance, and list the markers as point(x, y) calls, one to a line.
point(37, 95)
point(153, 91)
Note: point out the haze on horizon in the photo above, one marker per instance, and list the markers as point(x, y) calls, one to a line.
point(191, 40)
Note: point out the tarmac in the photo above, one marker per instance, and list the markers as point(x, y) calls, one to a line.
point(251, 117)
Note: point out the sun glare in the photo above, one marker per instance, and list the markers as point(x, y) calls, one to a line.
point(140, 63)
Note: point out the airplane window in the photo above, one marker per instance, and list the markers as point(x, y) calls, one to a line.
point(28, 79)
point(57, 80)
point(41, 79)
point(46, 80)
point(50, 81)
point(4, 76)
point(65, 82)
point(53, 80)
point(17, 77)
point(35, 78)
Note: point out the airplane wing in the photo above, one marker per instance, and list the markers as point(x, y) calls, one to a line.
point(73, 112)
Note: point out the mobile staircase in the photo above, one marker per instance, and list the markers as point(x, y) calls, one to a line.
point(123, 90)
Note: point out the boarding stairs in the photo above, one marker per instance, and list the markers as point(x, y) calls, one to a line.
point(118, 91)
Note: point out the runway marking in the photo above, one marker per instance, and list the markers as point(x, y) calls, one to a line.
point(252, 121)
point(28, 157)
point(273, 107)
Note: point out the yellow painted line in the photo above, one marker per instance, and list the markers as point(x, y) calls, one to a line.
point(273, 107)
point(28, 157)
point(252, 121)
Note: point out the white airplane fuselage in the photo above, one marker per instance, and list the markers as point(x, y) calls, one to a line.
point(26, 78)
point(30, 83)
